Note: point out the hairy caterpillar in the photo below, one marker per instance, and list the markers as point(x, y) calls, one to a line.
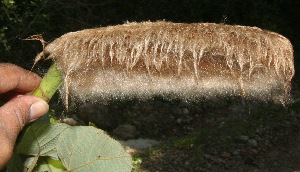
point(174, 60)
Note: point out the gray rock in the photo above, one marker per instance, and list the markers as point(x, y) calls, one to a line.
point(179, 121)
point(235, 153)
point(187, 163)
point(70, 121)
point(125, 132)
point(185, 111)
point(139, 144)
point(252, 142)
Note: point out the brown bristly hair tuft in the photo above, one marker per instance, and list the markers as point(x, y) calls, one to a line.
point(185, 60)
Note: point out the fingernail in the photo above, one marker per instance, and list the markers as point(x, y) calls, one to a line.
point(38, 109)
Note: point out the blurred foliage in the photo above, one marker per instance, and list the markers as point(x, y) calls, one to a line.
point(52, 18)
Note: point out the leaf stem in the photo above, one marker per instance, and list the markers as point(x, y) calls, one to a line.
point(49, 84)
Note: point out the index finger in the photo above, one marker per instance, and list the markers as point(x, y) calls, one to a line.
point(15, 78)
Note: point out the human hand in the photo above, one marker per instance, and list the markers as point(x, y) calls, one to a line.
point(15, 86)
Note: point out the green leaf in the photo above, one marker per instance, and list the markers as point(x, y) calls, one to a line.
point(91, 149)
point(15, 164)
point(40, 139)
point(48, 164)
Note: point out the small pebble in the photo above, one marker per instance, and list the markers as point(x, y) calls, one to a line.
point(178, 121)
point(243, 138)
point(185, 111)
point(208, 157)
point(235, 153)
point(70, 121)
point(258, 131)
point(252, 142)
point(226, 155)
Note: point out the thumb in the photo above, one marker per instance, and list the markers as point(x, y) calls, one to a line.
point(13, 116)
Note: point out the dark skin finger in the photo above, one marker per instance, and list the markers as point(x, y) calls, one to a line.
point(15, 85)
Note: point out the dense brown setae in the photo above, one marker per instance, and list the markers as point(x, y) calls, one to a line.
point(173, 59)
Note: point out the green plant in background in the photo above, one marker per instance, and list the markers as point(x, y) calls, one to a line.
point(3, 41)
point(136, 162)
point(59, 147)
